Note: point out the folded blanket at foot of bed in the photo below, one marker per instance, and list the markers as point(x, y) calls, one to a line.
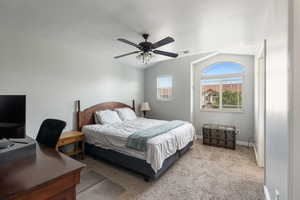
point(138, 140)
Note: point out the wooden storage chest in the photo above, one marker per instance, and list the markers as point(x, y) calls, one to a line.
point(219, 135)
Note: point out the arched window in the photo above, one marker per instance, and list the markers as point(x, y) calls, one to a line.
point(222, 86)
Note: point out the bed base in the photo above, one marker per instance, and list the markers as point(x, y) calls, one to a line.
point(134, 164)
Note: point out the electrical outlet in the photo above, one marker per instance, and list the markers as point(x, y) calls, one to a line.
point(277, 195)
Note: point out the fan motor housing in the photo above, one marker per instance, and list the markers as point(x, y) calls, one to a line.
point(146, 46)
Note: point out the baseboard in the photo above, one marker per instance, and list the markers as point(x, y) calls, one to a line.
point(256, 155)
point(266, 192)
point(243, 143)
point(258, 160)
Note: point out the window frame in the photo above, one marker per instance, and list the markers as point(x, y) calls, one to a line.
point(222, 77)
point(158, 97)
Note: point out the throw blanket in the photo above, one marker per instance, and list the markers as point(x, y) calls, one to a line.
point(138, 140)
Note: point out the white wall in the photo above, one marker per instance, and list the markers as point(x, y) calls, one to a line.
point(180, 106)
point(277, 107)
point(53, 76)
point(244, 120)
point(295, 99)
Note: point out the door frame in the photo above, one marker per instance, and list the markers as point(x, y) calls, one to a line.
point(192, 78)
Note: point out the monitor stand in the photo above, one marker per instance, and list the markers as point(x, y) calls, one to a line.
point(12, 130)
point(10, 125)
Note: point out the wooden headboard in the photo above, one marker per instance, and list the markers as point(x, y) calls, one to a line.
point(86, 117)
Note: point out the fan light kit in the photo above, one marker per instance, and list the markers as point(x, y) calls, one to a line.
point(145, 57)
point(147, 49)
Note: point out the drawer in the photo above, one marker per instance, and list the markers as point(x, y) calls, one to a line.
point(59, 188)
point(70, 140)
point(66, 141)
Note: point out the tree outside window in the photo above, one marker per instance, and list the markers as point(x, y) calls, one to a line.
point(222, 86)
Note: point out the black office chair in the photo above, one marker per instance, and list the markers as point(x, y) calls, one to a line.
point(50, 132)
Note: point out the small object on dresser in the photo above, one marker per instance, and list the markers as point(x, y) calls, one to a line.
point(75, 138)
point(219, 135)
point(16, 149)
point(4, 143)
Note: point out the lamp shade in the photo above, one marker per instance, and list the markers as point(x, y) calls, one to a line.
point(145, 106)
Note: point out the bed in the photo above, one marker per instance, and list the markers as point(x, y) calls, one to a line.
point(109, 142)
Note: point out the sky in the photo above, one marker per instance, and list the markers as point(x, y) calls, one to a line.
point(164, 81)
point(215, 69)
point(223, 68)
point(233, 80)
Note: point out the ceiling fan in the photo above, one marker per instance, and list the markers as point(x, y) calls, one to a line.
point(146, 49)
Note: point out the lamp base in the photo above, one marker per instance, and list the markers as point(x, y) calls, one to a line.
point(144, 114)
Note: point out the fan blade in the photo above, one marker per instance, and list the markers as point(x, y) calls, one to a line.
point(127, 54)
point(164, 53)
point(162, 42)
point(130, 43)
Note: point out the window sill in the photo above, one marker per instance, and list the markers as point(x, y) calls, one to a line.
point(223, 110)
point(164, 100)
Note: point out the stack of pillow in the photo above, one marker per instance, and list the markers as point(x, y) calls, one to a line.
point(114, 116)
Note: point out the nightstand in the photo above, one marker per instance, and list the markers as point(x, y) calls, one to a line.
point(72, 137)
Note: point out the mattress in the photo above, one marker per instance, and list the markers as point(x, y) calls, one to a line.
point(114, 136)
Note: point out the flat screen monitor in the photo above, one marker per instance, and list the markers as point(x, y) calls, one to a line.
point(12, 116)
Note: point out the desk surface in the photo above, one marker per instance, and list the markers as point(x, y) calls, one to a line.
point(29, 173)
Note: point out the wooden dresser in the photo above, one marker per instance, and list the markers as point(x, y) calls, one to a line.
point(49, 175)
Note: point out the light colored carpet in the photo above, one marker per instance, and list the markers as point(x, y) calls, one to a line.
point(88, 180)
point(203, 173)
point(94, 186)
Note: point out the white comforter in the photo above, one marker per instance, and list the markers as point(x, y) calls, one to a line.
point(114, 137)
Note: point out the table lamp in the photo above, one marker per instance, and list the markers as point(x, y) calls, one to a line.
point(145, 107)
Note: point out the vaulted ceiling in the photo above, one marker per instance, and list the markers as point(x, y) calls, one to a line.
point(94, 25)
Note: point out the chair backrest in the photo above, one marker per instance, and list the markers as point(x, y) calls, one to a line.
point(50, 132)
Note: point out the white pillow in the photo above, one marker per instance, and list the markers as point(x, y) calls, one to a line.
point(126, 113)
point(97, 117)
point(107, 117)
